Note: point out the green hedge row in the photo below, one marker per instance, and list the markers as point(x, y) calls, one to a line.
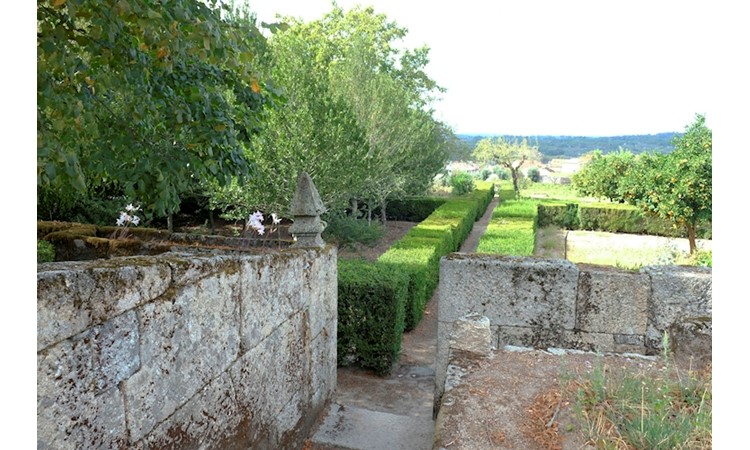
point(614, 218)
point(379, 300)
point(512, 230)
point(412, 209)
point(371, 306)
point(418, 253)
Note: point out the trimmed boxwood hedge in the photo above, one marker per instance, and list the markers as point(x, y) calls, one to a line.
point(418, 253)
point(512, 230)
point(379, 300)
point(412, 209)
point(371, 302)
point(613, 218)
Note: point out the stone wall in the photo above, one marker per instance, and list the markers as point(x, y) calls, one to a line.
point(541, 303)
point(185, 351)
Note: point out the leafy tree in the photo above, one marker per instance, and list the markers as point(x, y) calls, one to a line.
point(602, 175)
point(356, 116)
point(677, 186)
point(509, 154)
point(144, 100)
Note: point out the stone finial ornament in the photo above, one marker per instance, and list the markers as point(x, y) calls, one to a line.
point(306, 210)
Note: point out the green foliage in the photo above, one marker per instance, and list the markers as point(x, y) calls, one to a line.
point(512, 229)
point(676, 187)
point(347, 231)
point(564, 215)
point(148, 99)
point(507, 153)
point(534, 174)
point(413, 209)
point(501, 173)
point(418, 253)
point(357, 115)
point(45, 251)
point(462, 183)
point(601, 176)
point(371, 302)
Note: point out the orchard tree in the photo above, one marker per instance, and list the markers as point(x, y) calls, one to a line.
point(149, 98)
point(602, 175)
point(509, 154)
point(677, 186)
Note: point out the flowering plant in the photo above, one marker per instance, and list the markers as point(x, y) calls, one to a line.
point(126, 218)
point(255, 227)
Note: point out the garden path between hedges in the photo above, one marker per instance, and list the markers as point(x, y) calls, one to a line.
point(392, 412)
point(525, 391)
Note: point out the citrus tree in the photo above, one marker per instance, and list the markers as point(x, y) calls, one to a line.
point(677, 186)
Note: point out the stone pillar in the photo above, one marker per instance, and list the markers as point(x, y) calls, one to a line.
point(306, 210)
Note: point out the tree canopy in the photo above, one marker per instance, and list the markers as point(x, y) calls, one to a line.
point(144, 100)
point(510, 154)
point(357, 115)
point(676, 186)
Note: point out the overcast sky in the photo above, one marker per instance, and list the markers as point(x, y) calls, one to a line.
point(532, 67)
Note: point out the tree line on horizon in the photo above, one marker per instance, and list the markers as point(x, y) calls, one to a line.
point(574, 146)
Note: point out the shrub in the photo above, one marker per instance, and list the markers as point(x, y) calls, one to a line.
point(371, 310)
point(534, 174)
point(45, 251)
point(462, 183)
point(563, 215)
point(501, 173)
point(347, 231)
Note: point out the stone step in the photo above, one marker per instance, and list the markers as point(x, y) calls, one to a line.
point(352, 428)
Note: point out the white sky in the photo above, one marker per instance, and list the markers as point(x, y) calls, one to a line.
point(588, 68)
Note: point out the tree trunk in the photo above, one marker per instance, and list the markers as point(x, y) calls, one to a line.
point(369, 214)
point(514, 175)
point(211, 222)
point(355, 208)
point(382, 211)
point(170, 223)
point(691, 237)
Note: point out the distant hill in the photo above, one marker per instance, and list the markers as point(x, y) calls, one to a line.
point(574, 146)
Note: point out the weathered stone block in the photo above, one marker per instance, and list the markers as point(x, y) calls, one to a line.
point(323, 365)
point(186, 341)
point(272, 291)
point(509, 290)
point(471, 333)
point(612, 301)
point(211, 416)
point(115, 350)
point(678, 294)
point(71, 412)
point(320, 285)
point(267, 392)
point(73, 296)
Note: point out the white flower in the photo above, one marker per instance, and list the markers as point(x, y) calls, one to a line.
point(261, 229)
point(121, 220)
point(256, 218)
point(276, 219)
point(130, 207)
point(136, 219)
